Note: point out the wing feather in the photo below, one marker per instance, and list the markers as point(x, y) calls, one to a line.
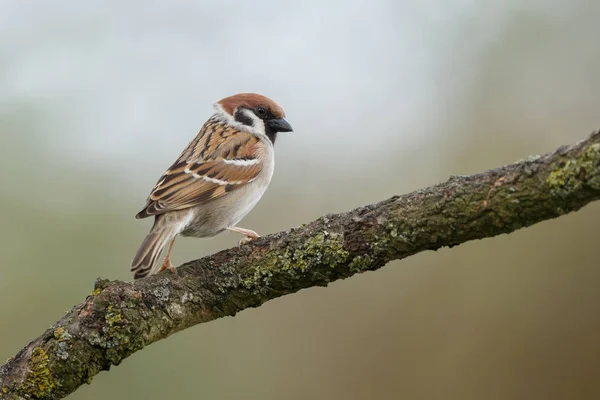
point(219, 160)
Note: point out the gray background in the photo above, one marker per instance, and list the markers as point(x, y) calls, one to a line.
point(97, 98)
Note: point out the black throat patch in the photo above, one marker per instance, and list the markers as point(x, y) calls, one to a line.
point(271, 134)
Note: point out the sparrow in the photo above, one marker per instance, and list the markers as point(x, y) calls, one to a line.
point(216, 180)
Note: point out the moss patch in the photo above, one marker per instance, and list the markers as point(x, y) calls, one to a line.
point(113, 316)
point(361, 263)
point(573, 173)
point(61, 334)
point(39, 381)
point(63, 338)
point(323, 249)
point(118, 336)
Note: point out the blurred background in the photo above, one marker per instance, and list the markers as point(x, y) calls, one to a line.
point(97, 99)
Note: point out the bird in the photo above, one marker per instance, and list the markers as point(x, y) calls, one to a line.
point(216, 181)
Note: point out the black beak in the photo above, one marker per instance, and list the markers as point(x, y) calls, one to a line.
point(280, 125)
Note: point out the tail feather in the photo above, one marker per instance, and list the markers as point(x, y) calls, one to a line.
point(146, 259)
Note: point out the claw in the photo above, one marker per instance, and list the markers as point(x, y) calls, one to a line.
point(250, 235)
point(245, 240)
point(167, 265)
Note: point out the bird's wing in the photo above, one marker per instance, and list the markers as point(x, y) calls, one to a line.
point(219, 160)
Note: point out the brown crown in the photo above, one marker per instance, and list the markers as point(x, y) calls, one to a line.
point(250, 100)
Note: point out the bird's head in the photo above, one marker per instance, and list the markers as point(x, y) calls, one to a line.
point(254, 113)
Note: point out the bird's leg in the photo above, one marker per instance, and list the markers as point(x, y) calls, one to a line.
point(167, 261)
point(250, 235)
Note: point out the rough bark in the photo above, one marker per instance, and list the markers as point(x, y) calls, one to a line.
point(120, 318)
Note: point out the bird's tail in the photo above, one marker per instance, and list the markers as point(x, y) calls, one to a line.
point(146, 259)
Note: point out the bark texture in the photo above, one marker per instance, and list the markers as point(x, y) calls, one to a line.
point(119, 318)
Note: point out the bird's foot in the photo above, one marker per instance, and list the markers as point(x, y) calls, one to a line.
point(245, 240)
point(167, 265)
point(250, 234)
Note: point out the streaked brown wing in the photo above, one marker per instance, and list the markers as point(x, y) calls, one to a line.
point(220, 159)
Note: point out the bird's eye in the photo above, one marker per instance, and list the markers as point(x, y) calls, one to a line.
point(261, 111)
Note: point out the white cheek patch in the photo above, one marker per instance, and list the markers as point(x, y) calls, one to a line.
point(258, 125)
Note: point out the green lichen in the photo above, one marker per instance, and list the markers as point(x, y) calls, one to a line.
point(571, 175)
point(96, 292)
point(63, 337)
point(61, 334)
point(113, 316)
point(58, 332)
point(360, 263)
point(393, 241)
point(324, 249)
point(39, 381)
point(117, 337)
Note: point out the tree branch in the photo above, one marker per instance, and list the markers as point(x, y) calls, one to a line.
point(120, 318)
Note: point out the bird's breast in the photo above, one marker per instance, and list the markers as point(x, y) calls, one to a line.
point(214, 217)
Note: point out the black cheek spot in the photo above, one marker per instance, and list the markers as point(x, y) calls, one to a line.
point(240, 116)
